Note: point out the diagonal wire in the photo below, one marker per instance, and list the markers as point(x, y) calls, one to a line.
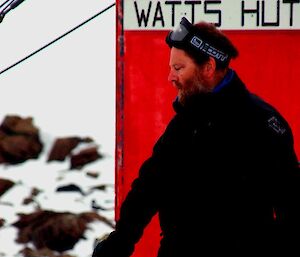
point(55, 40)
point(5, 3)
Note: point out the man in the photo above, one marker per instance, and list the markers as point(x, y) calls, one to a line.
point(227, 156)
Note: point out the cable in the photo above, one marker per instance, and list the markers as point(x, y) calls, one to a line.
point(3, 11)
point(60, 37)
point(5, 3)
point(12, 5)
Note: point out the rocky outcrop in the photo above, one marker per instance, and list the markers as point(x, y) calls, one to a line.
point(5, 184)
point(29, 252)
point(62, 147)
point(53, 230)
point(84, 157)
point(19, 140)
point(45, 229)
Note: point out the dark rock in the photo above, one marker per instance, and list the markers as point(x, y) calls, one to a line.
point(95, 206)
point(53, 230)
point(45, 252)
point(19, 140)
point(18, 148)
point(70, 188)
point(2, 158)
point(92, 216)
point(62, 147)
point(13, 125)
point(92, 174)
point(5, 184)
point(2, 134)
point(35, 191)
point(28, 200)
point(102, 187)
point(2, 222)
point(31, 198)
point(84, 157)
point(47, 229)
point(29, 252)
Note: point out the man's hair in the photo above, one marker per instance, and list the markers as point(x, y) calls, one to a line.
point(213, 36)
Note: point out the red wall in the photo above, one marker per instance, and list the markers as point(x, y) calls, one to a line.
point(268, 63)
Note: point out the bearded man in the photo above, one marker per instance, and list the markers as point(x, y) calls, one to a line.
point(227, 154)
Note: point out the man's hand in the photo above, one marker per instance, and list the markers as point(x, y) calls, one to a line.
point(98, 245)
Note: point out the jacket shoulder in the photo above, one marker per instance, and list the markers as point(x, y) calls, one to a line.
point(269, 117)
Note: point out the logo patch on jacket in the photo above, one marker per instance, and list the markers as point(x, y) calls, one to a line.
point(275, 124)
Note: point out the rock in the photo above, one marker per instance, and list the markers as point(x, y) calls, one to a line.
point(58, 231)
point(84, 157)
point(48, 229)
point(5, 184)
point(13, 125)
point(95, 206)
point(92, 174)
point(70, 188)
point(2, 222)
point(102, 187)
point(18, 148)
point(19, 140)
point(45, 252)
point(92, 216)
point(31, 198)
point(35, 191)
point(28, 200)
point(62, 147)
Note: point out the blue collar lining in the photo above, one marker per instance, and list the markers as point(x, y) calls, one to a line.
point(225, 81)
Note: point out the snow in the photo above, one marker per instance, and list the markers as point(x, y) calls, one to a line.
point(47, 177)
point(69, 90)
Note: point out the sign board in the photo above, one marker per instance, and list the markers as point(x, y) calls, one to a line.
point(229, 14)
point(267, 35)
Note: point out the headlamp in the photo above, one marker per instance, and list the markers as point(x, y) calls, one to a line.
point(186, 37)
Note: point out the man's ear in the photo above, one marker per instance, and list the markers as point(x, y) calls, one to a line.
point(210, 67)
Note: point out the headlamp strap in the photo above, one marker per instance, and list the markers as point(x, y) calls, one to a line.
point(208, 49)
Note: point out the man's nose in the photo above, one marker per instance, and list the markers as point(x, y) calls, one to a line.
point(172, 77)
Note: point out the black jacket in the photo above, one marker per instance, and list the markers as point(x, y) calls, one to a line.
point(224, 179)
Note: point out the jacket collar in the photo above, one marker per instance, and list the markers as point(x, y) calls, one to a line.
point(230, 95)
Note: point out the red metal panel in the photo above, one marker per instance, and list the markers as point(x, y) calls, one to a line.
point(268, 64)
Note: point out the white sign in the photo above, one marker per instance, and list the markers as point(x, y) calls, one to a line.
point(226, 14)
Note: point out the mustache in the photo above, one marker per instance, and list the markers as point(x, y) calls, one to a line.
point(177, 85)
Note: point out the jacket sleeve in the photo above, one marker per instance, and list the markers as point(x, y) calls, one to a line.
point(139, 206)
point(285, 176)
point(285, 170)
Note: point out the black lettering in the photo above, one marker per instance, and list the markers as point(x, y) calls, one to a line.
point(271, 24)
point(193, 3)
point(173, 3)
point(158, 16)
point(244, 11)
point(141, 17)
point(292, 2)
point(218, 24)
